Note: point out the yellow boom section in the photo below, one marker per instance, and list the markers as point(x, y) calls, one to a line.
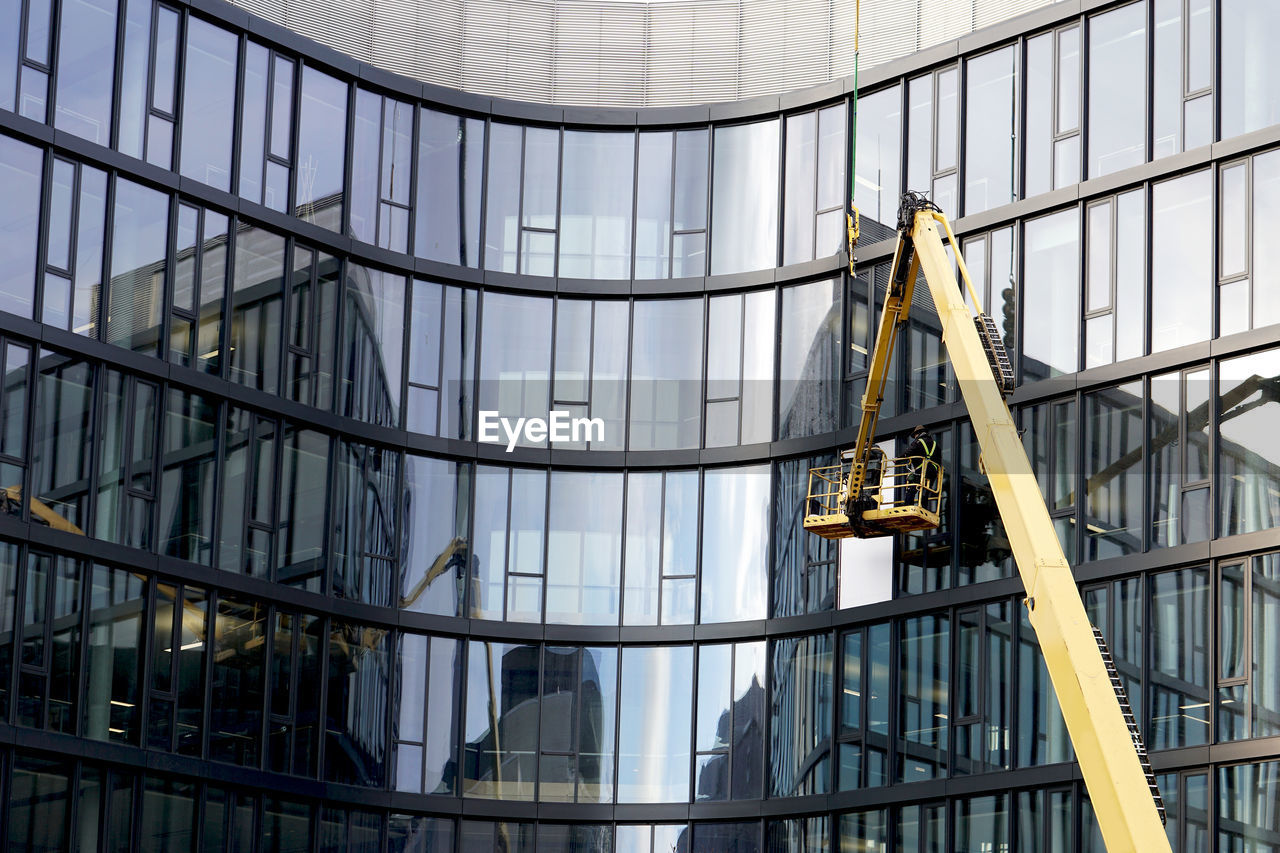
point(1109, 755)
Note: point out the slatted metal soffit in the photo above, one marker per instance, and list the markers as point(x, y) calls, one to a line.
point(630, 53)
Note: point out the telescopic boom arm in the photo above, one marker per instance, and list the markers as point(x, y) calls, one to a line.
point(1106, 737)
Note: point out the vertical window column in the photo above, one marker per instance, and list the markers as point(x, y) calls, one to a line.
point(266, 127)
point(381, 162)
point(1053, 110)
point(1182, 117)
point(933, 120)
point(813, 204)
point(148, 82)
point(199, 289)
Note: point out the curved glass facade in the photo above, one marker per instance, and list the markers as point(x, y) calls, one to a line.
point(274, 577)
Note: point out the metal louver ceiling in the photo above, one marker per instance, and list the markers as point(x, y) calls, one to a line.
point(630, 53)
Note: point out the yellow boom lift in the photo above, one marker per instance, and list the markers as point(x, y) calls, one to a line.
point(869, 494)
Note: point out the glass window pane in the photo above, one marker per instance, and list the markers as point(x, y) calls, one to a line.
point(373, 345)
point(735, 543)
point(186, 491)
point(61, 450)
point(948, 118)
point(653, 205)
point(1167, 87)
point(654, 725)
point(22, 170)
point(1117, 45)
point(1040, 115)
point(991, 92)
point(435, 556)
point(502, 205)
point(86, 61)
point(595, 205)
point(322, 141)
point(1131, 268)
point(584, 539)
point(1051, 296)
point(256, 306)
point(515, 360)
point(801, 715)
point(1250, 92)
point(801, 188)
point(501, 737)
point(138, 250)
point(689, 204)
point(355, 737)
point(809, 371)
point(1181, 265)
point(450, 164)
point(1266, 254)
point(363, 207)
point(1248, 458)
point(666, 374)
point(208, 104)
point(1181, 656)
point(1113, 471)
point(744, 209)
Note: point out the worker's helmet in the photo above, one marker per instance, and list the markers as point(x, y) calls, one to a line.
point(919, 430)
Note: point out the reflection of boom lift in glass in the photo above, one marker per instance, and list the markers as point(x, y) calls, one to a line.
point(869, 494)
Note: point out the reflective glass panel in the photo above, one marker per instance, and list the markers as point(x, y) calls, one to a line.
point(991, 82)
point(735, 543)
point(322, 136)
point(654, 725)
point(809, 370)
point(373, 340)
point(653, 205)
point(450, 164)
point(1181, 656)
point(595, 205)
point(1113, 471)
point(21, 170)
point(355, 727)
point(801, 714)
point(501, 737)
point(1248, 469)
point(256, 308)
point(1250, 92)
point(879, 165)
point(515, 362)
point(744, 206)
point(1051, 296)
point(584, 548)
point(1117, 126)
point(208, 103)
point(138, 250)
point(1181, 265)
point(86, 60)
point(666, 374)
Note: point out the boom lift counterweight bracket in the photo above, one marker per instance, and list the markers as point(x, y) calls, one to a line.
point(870, 494)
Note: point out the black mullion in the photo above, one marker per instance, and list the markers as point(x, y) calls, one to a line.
point(237, 119)
point(117, 74)
point(295, 119)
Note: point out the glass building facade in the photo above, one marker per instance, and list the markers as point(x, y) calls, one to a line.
point(262, 587)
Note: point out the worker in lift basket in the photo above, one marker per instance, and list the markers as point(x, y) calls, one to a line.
point(922, 446)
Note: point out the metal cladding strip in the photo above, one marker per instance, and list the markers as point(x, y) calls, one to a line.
point(629, 53)
point(1112, 770)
